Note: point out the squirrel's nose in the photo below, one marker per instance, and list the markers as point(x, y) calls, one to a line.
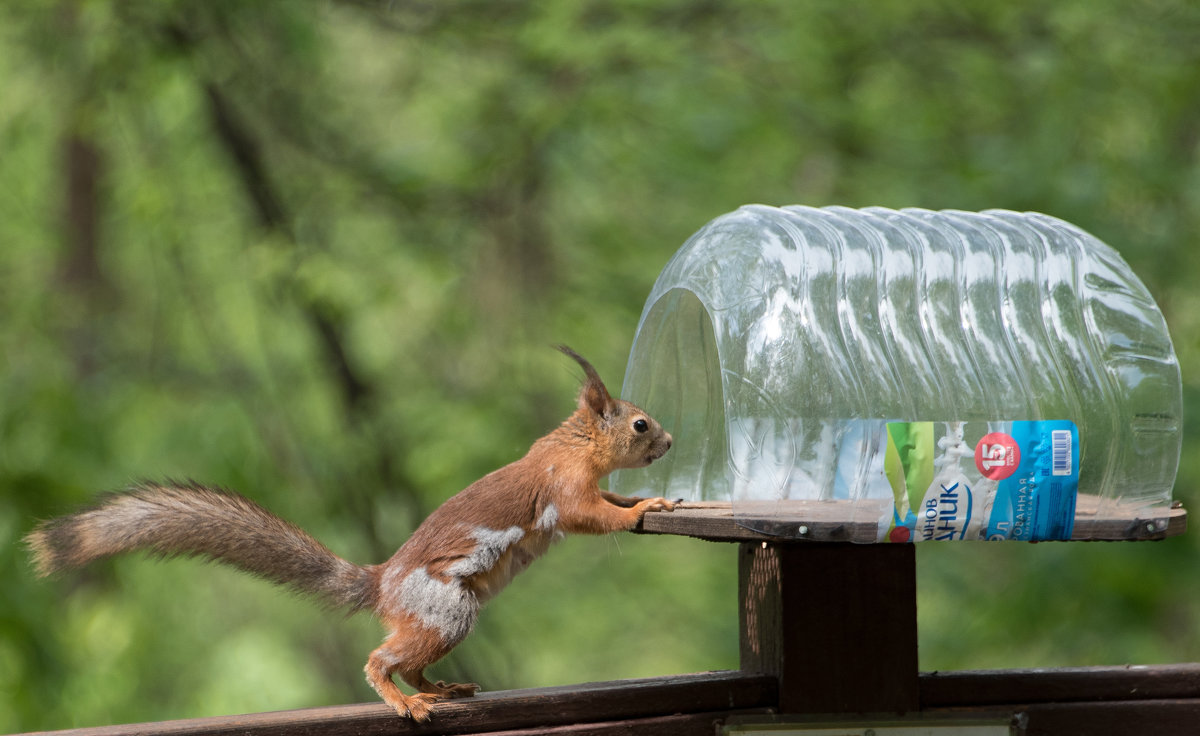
point(669, 440)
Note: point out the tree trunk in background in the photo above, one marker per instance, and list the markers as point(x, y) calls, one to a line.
point(81, 275)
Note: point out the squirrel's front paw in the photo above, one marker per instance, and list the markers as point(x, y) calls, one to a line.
point(659, 504)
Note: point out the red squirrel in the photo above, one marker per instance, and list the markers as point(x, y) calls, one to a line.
point(429, 593)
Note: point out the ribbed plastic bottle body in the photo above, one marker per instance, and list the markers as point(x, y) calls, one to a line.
point(831, 324)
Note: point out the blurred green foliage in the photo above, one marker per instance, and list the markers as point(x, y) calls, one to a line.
point(316, 251)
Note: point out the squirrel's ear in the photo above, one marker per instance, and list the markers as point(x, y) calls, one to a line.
point(594, 395)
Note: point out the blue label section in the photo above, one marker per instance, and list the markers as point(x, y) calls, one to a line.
point(1037, 502)
point(946, 513)
point(982, 480)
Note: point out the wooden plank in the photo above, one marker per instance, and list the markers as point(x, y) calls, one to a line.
point(811, 521)
point(1061, 685)
point(671, 725)
point(1149, 717)
point(835, 521)
point(538, 708)
point(836, 623)
point(1175, 717)
point(1097, 701)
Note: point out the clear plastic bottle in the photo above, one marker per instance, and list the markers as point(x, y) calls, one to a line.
point(837, 354)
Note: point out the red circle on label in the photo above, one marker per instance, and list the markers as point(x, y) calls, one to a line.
point(997, 456)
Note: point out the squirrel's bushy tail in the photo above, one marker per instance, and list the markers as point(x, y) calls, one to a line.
point(171, 520)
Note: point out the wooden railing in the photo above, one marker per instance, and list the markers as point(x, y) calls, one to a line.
point(666, 705)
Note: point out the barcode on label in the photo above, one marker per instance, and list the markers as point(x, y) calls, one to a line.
point(1060, 449)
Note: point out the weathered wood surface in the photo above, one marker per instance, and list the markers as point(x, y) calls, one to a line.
point(836, 521)
point(1174, 717)
point(1097, 701)
point(677, 704)
point(836, 623)
point(1163, 700)
point(1060, 685)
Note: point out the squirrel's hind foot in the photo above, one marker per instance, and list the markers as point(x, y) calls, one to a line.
point(455, 689)
point(418, 707)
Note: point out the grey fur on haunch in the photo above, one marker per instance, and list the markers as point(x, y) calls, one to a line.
point(187, 519)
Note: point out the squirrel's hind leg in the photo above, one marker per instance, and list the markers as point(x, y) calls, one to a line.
point(380, 666)
point(407, 652)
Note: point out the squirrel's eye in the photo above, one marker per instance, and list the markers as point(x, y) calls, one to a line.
point(640, 425)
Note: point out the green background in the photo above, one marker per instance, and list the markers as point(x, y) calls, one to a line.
point(317, 251)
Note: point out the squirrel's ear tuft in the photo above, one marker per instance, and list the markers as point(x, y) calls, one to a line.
point(594, 395)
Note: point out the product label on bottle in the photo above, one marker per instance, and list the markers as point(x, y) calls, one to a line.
point(982, 480)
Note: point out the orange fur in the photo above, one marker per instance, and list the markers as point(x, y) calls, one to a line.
point(429, 593)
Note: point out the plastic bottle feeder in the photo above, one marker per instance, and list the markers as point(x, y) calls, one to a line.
point(907, 375)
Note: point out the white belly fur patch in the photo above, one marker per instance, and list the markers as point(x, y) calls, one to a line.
point(451, 607)
point(549, 519)
point(490, 544)
point(448, 607)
